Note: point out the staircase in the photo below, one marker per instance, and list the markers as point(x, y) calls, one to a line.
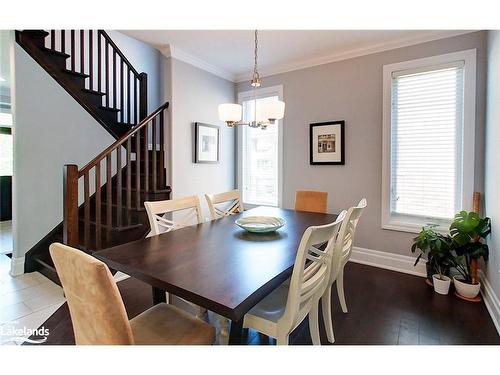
point(103, 200)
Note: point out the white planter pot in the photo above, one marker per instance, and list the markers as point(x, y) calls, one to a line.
point(466, 290)
point(441, 286)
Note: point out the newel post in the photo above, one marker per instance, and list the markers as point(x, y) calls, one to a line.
point(70, 204)
point(143, 96)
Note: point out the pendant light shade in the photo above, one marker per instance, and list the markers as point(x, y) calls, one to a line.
point(273, 110)
point(230, 112)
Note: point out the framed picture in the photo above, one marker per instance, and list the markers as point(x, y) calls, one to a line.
point(327, 143)
point(206, 143)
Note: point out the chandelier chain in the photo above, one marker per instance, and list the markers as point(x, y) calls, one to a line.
point(256, 50)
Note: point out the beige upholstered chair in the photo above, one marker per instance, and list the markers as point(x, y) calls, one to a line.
point(224, 204)
point(311, 201)
point(98, 314)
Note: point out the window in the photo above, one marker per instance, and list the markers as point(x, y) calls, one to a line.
point(259, 153)
point(429, 112)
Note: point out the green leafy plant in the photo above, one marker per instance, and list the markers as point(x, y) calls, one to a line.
point(468, 232)
point(437, 247)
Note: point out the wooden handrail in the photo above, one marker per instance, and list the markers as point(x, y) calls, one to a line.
point(115, 47)
point(122, 140)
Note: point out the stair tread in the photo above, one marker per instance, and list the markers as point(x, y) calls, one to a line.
point(109, 108)
point(54, 52)
point(94, 92)
point(78, 74)
point(39, 32)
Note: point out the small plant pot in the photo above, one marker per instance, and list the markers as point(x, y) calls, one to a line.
point(441, 285)
point(465, 289)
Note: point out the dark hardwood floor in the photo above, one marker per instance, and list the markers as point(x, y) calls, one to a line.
point(385, 307)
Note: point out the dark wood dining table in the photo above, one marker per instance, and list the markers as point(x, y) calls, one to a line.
point(216, 264)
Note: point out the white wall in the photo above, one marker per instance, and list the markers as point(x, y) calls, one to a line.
point(195, 96)
point(492, 167)
point(351, 90)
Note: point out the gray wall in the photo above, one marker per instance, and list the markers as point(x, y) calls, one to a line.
point(145, 59)
point(492, 175)
point(195, 95)
point(51, 129)
point(351, 90)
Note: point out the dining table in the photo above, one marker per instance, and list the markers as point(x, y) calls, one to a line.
point(216, 264)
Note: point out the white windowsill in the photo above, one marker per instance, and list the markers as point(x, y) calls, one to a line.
point(415, 225)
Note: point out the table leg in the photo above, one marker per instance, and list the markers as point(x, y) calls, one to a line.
point(158, 296)
point(236, 332)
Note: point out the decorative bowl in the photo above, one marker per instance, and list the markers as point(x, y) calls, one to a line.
point(260, 224)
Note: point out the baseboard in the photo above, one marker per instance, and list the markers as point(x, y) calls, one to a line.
point(17, 266)
point(490, 300)
point(389, 261)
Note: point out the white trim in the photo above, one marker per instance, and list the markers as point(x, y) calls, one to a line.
point(388, 261)
point(490, 300)
point(469, 57)
point(260, 93)
point(120, 276)
point(17, 266)
point(349, 54)
point(176, 53)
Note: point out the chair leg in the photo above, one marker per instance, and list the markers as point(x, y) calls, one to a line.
point(326, 309)
point(282, 340)
point(224, 324)
point(313, 324)
point(340, 290)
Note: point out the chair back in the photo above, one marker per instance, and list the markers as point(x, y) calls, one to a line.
point(187, 211)
point(224, 204)
point(345, 237)
point(309, 281)
point(311, 201)
point(95, 305)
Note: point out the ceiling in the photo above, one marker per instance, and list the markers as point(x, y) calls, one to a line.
point(229, 53)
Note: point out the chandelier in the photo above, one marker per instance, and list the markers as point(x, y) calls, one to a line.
point(264, 113)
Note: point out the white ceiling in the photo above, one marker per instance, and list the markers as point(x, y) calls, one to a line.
point(229, 53)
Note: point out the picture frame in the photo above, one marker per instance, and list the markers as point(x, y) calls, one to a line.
point(327, 143)
point(206, 143)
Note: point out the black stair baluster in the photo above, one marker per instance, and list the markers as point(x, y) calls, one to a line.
point(82, 51)
point(99, 51)
point(52, 39)
point(91, 60)
point(122, 115)
point(63, 41)
point(114, 80)
point(128, 94)
point(107, 72)
point(72, 49)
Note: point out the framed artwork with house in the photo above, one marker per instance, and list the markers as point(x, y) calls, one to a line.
point(326, 143)
point(206, 143)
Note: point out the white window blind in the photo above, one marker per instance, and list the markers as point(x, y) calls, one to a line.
point(260, 161)
point(427, 121)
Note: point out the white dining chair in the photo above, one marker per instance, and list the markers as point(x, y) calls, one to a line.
point(344, 243)
point(224, 204)
point(168, 215)
point(278, 314)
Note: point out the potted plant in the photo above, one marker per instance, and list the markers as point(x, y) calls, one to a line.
point(468, 232)
point(439, 257)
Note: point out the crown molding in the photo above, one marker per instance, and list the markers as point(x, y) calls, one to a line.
point(176, 53)
point(349, 54)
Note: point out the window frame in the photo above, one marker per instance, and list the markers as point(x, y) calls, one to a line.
point(245, 96)
point(413, 224)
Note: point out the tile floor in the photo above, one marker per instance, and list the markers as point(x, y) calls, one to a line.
point(25, 301)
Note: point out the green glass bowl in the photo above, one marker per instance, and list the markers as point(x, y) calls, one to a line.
point(260, 224)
